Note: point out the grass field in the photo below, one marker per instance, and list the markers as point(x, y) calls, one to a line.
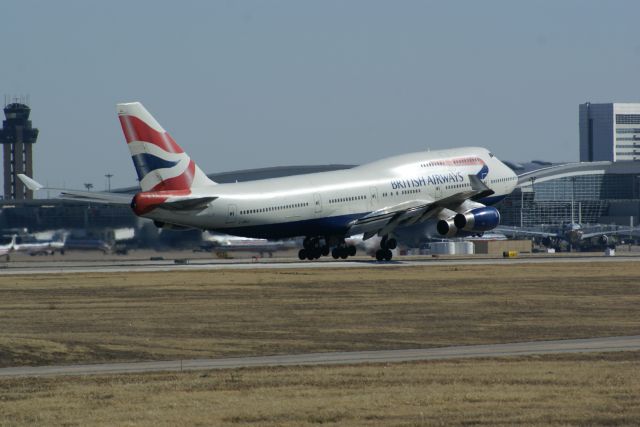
point(59, 319)
point(542, 391)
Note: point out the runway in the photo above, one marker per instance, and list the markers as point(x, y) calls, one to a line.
point(591, 345)
point(125, 265)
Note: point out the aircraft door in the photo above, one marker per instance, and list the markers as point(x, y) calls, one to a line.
point(232, 215)
point(373, 197)
point(317, 203)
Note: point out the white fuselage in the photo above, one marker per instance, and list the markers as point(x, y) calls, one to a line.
point(325, 203)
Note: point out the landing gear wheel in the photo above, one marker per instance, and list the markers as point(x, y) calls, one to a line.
point(313, 254)
point(335, 253)
point(380, 255)
point(343, 253)
point(392, 243)
point(388, 255)
point(325, 250)
point(302, 254)
point(352, 251)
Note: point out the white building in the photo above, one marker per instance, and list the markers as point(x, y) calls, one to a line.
point(609, 132)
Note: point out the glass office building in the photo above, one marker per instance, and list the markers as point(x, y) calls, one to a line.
point(609, 132)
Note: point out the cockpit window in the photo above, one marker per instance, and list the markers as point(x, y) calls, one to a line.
point(490, 154)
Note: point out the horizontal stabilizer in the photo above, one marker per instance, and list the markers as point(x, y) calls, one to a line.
point(30, 183)
point(187, 204)
point(95, 197)
point(86, 196)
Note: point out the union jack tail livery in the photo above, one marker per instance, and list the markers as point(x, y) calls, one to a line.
point(161, 164)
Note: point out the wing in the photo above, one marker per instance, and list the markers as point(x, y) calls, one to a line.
point(385, 220)
point(515, 231)
point(86, 196)
point(626, 231)
point(387, 217)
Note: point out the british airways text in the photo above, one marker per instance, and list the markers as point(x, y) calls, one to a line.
point(434, 179)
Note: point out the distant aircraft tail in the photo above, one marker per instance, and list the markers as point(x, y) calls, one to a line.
point(160, 163)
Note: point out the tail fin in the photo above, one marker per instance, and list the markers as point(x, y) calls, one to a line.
point(160, 163)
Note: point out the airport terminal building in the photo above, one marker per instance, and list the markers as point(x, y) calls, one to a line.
point(587, 193)
point(603, 188)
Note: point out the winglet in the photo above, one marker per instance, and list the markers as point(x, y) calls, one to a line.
point(31, 184)
point(479, 187)
point(477, 184)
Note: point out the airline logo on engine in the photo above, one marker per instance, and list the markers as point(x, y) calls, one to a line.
point(435, 179)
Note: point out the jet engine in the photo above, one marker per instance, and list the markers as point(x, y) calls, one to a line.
point(447, 228)
point(477, 220)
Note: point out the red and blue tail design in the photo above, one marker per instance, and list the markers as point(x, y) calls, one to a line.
point(159, 161)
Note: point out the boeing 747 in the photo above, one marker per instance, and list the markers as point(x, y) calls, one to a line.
point(454, 188)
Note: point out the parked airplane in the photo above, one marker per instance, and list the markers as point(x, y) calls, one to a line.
point(29, 244)
point(451, 187)
point(224, 243)
point(575, 235)
point(34, 246)
point(7, 244)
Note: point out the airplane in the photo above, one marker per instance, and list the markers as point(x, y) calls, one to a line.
point(574, 234)
point(454, 188)
point(223, 243)
point(34, 246)
point(7, 245)
point(15, 243)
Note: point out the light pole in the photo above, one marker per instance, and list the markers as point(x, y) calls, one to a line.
point(573, 198)
point(108, 176)
point(88, 186)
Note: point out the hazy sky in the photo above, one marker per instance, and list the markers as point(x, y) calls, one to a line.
point(244, 84)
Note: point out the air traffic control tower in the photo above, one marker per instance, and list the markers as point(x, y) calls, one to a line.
point(17, 137)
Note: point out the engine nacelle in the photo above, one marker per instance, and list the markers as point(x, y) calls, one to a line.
point(446, 227)
point(479, 219)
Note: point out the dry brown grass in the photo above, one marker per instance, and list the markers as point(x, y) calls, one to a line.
point(49, 319)
point(544, 391)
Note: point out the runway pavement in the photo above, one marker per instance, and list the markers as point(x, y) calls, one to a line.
point(128, 265)
point(607, 344)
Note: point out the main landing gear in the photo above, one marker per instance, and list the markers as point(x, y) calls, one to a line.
point(386, 245)
point(313, 248)
point(343, 251)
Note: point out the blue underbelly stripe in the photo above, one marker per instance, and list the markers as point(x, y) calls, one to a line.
point(333, 225)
